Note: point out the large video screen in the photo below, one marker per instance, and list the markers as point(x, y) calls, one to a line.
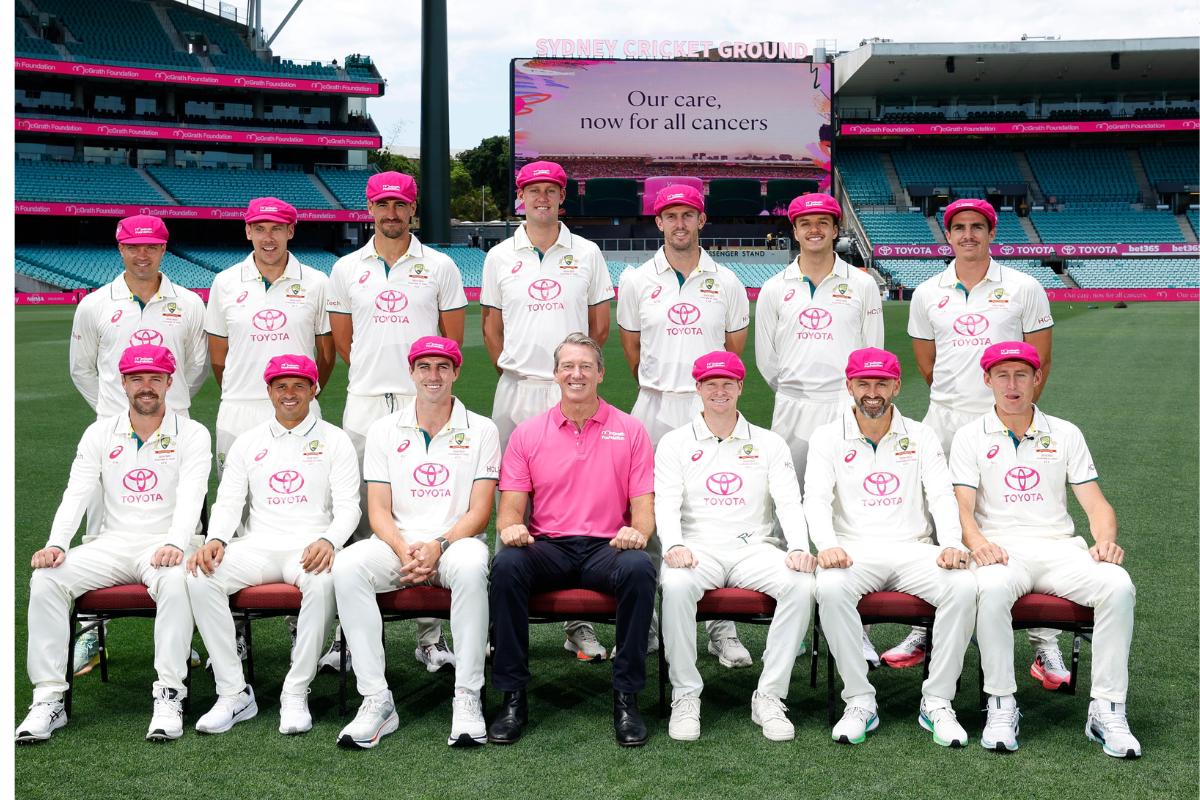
point(645, 119)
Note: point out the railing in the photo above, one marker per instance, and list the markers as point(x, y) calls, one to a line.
point(642, 245)
point(216, 7)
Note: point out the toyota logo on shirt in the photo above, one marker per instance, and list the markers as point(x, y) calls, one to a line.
point(970, 325)
point(145, 336)
point(1022, 479)
point(269, 319)
point(544, 289)
point(391, 301)
point(287, 481)
point(683, 314)
point(815, 319)
point(140, 480)
point(724, 483)
point(881, 484)
point(431, 474)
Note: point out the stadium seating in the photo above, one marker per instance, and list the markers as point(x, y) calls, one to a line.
point(734, 197)
point(910, 273)
point(44, 275)
point(349, 186)
point(469, 260)
point(781, 191)
point(1102, 223)
point(139, 39)
point(26, 45)
point(231, 188)
point(1179, 163)
point(92, 265)
point(966, 172)
point(76, 181)
point(902, 228)
point(864, 177)
point(1084, 173)
point(1009, 230)
point(1194, 218)
point(610, 197)
point(1139, 273)
point(234, 55)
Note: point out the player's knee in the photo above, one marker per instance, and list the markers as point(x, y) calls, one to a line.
point(833, 586)
point(635, 568)
point(466, 561)
point(315, 584)
point(1116, 587)
point(677, 583)
point(961, 586)
point(994, 586)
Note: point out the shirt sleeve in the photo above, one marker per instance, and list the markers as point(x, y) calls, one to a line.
point(337, 299)
point(766, 318)
point(628, 301)
point(84, 350)
point(214, 313)
point(343, 489)
point(641, 460)
point(872, 323)
point(488, 467)
point(489, 293)
point(514, 467)
point(321, 324)
point(785, 494)
point(195, 463)
point(964, 466)
point(939, 494)
point(375, 454)
point(737, 313)
point(195, 350)
point(668, 495)
point(600, 288)
point(231, 494)
point(819, 482)
point(1080, 466)
point(1035, 315)
point(82, 484)
point(450, 288)
point(918, 317)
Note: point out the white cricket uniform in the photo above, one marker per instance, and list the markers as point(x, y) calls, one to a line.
point(153, 492)
point(1021, 505)
point(431, 481)
point(721, 499)
point(542, 298)
point(875, 500)
point(261, 322)
point(1005, 306)
point(803, 336)
point(677, 322)
point(301, 485)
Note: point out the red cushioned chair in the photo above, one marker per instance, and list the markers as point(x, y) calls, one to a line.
point(737, 605)
point(92, 609)
point(874, 608)
point(260, 602)
point(1036, 610)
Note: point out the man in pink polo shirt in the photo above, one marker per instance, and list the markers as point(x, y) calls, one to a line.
point(591, 469)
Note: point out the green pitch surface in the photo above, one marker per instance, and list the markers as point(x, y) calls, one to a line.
point(1127, 377)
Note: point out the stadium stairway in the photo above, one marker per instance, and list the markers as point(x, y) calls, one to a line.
point(1139, 174)
point(158, 187)
point(898, 191)
point(1030, 231)
point(169, 29)
point(324, 190)
point(1185, 227)
point(1030, 179)
point(936, 228)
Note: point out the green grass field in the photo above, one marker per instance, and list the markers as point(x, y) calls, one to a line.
point(1128, 378)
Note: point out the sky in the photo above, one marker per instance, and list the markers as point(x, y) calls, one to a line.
point(485, 35)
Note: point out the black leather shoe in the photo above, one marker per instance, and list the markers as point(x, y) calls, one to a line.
point(509, 722)
point(627, 720)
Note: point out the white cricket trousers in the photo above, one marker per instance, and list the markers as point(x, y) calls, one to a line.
point(249, 563)
point(518, 399)
point(795, 420)
point(909, 567)
point(1064, 568)
point(759, 567)
point(663, 412)
point(235, 417)
point(111, 560)
point(371, 567)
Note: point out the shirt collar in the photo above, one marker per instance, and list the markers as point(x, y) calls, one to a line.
point(303, 429)
point(792, 270)
point(521, 239)
point(119, 289)
point(949, 277)
point(700, 429)
point(992, 423)
point(600, 417)
point(168, 427)
point(661, 265)
point(851, 431)
point(368, 252)
point(407, 417)
point(290, 270)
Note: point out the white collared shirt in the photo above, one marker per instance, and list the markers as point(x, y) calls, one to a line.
point(262, 322)
point(886, 492)
point(803, 334)
point(720, 493)
point(542, 299)
point(390, 308)
point(111, 319)
point(153, 489)
point(302, 485)
point(431, 480)
point(1021, 486)
point(1003, 307)
point(679, 323)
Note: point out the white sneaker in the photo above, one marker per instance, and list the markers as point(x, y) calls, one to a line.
point(166, 723)
point(855, 724)
point(375, 719)
point(87, 652)
point(332, 660)
point(730, 652)
point(242, 651)
point(685, 719)
point(293, 713)
point(651, 637)
point(436, 656)
point(42, 720)
point(467, 727)
point(1107, 725)
point(1049, 668)
point(1003, 724)
point(194, 658)
point(583, 643)
point(229, 711)
point(769, 712)
point(909, 652)
point(869, 654)
point(942, 723)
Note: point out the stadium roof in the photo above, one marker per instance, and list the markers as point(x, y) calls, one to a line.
point(1034, 67)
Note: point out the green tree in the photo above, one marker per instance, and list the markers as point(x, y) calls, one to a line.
point(488, 165)
point(386, 161)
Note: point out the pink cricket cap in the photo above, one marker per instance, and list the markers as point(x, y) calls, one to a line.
point(678, 195)
point(969, 204)
point(147, 358)
point(1010, 351)
point(718, 364)
point(291, 366)
point(391, 186)
point(141, 229)
point(435, 346)
point(814, 203)
point(270, 209)
point(541, 172)
point(871, 362)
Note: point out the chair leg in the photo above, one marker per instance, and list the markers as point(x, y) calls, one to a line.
point(342, 672)
point(74, 634)
point(103, 639)
point(928, 651)
point(830, 710)
point(816, 647)
point(249, 649)
point(1075, 641)
point(662, 671)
